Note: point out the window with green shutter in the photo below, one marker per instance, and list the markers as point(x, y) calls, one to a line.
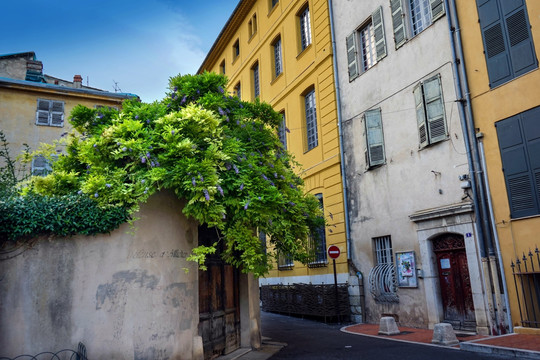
point(413, 17)
point(508, 46)
point(519, 144)
point(430, 114)
point(374, 138)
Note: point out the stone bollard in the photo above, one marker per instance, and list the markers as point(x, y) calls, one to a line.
point(388, 326)
point(443, 334)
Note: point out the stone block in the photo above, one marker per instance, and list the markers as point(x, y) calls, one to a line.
point(443, 334)
point(354, 290)
point(388, 326)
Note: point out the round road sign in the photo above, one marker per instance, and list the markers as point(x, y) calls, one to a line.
point(333, 251)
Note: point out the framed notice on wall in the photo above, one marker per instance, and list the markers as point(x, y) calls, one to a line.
point(406, 269)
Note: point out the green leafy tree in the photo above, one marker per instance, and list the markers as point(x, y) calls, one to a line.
point(219, 153)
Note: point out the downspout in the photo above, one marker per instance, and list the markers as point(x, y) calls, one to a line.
point(484, 221)
point(341, 151)
point(497, 245)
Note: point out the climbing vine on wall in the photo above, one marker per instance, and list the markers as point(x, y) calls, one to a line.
point(220, 154)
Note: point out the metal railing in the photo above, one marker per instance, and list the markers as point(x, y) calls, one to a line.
point(527, 283)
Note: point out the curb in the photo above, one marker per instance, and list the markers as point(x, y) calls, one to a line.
point(499, 350)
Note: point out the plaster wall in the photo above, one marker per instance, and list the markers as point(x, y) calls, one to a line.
point(412, 179)
point(124, 295)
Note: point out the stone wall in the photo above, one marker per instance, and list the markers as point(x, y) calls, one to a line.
point(125, 295)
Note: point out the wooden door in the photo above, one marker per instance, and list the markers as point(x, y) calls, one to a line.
point(219, 311)
point(455, 282)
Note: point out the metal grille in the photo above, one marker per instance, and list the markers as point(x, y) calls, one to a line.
point(527, 284)
point(367, 44)
point(278, 68)
point(305, 29)
point(66, 354)
point(311, 120)
point(282, 131)
point(383, 250)
point(285, 261)
point(256, 85)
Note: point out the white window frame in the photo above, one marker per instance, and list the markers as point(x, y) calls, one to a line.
point(256, 80)
point(282, 131)
point(50, 113)
point(312, 137)
point(278, 57)
point(305, 28)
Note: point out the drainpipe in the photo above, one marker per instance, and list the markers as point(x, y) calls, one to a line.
point(497, 245)
point(341, 151)
point(475, 165)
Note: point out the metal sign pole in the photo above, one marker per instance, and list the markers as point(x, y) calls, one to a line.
point(336, 290)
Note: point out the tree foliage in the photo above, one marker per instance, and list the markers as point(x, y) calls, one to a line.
point(219, 153)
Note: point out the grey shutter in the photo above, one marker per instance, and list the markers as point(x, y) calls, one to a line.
point(378, 29)
point(516, 168)
point(420, 115)
point(57, 113)
point(39, 164)
point(522, 54)
point(398, 22)
point(437, 9)
point(434, 110)
point(374, 137)
point(352, 57)
point(42, 113)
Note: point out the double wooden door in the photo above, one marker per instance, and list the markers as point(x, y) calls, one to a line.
point(219, 311)
point(455, 282)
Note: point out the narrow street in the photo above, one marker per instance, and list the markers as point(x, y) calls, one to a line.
point(307, 339)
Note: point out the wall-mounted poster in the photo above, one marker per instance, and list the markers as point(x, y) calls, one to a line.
point(406, 269)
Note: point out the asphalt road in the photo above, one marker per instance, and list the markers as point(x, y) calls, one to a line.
point(314, 340)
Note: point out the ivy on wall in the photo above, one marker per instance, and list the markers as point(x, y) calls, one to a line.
point(220, 154)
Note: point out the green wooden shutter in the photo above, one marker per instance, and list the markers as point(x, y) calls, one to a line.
point(398, 22)
point(519, 178)
point(522, 54)
point(352, 57)
point(374, 137)
point(378, 29)
point(437, 9)
point(436, 124)
point(420, 115)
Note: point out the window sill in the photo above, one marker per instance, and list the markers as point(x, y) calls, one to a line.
point(276, 78)
point(318, 264)
point(285, 267)
point(235, 59)
point(430, 145)
point(272, 10)
point(305, 152)
point(302, 52)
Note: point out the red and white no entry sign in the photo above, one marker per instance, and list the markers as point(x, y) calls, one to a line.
point(333, 251)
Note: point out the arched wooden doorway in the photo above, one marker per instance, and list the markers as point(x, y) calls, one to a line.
point(454, 281)
point(219, 310)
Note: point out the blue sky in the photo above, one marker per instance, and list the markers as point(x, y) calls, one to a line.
point(138, 43)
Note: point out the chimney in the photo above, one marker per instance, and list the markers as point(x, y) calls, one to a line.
point(77, 81)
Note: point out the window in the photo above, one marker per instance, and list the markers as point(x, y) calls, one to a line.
point(519, 144)
point(237, 90)
point(374, 138)
point(41, 166)
point(256, 84)
point(236, 49)
point(371, 42)
point(222, 67)
point(311, 120)
point(282, 131)
point(285, 261)
point(430, 111)
point(305, 28)
point(422, 13)
point(278, 60)
point(262, 239)
point(508, 45)
point(383, 250)
point(273, 3)
point(318, 242)
point(50, 112)
point(252, 25)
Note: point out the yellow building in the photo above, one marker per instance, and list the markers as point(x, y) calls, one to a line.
point(501, 40)
point(281, 52)
point(34, 111)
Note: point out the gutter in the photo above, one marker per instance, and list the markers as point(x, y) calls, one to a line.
point(340, 129)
